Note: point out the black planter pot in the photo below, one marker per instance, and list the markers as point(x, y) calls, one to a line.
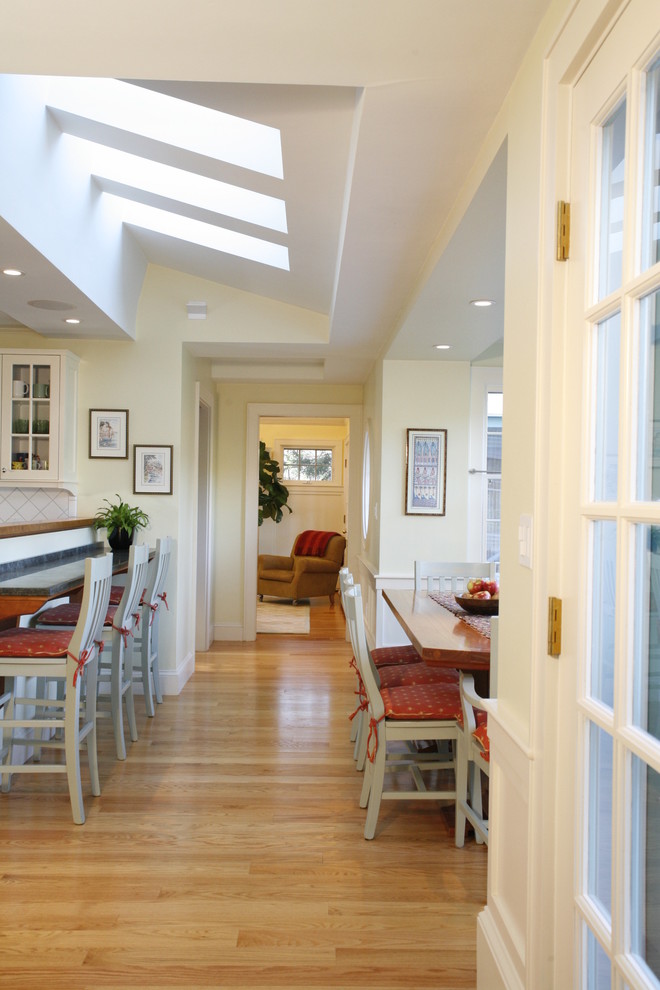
point(120, 539)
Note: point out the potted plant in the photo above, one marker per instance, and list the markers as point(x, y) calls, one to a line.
point(273, 494)
point(120, 520)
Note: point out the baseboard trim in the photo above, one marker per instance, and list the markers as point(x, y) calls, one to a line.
point(172, 682)
point(496, 970)
point(228, 632)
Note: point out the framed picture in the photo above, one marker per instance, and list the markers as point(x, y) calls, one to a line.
point(108, 433)
point(426, 472)
point(152, 469)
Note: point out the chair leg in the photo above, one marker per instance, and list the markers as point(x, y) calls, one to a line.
point(116, 706)
point(72, 751)
point(126, 675)
point(376, 790)
point(155, 674)
point(361, 742)
point(461, 793)
point(146, 677)
point(90, 716)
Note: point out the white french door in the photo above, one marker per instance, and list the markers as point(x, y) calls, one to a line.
point(608, 847)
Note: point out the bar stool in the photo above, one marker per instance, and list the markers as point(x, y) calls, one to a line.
point(120, 621)
point(145, 656)
point(69, 656)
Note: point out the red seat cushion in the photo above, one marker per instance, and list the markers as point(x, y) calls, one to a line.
point(34, 642)
point(68, 615)
point(387, 656)
point(409, 674)
point(481, 735)
point(117, 591)
point(422, 701)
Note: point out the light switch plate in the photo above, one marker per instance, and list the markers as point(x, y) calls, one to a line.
point(525, 541)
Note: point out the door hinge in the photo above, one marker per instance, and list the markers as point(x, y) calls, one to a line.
point(563, 230)
point(554, 626)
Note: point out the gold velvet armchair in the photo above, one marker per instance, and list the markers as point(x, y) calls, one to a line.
point(309, 571)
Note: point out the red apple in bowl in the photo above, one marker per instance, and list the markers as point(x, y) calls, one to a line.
point(482, 594)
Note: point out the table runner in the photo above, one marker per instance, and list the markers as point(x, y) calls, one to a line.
point(479, 622)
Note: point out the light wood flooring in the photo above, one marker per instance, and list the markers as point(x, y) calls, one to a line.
point(227, 850)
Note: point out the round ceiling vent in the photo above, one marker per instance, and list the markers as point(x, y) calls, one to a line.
point(49, 304)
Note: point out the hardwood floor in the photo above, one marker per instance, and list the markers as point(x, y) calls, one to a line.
point(227, 850)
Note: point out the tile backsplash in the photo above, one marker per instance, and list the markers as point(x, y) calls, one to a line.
point(30, 505)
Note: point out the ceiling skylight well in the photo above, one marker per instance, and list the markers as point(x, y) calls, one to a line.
point(97, 117)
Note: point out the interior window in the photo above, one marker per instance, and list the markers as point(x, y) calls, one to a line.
point(307, 463)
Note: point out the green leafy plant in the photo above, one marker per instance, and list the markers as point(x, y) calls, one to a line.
point(118, 516)
point(273, 495)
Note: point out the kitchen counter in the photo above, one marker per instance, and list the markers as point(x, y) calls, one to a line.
point(31, 529)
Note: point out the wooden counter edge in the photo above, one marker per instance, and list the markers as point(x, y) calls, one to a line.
point(30, 529)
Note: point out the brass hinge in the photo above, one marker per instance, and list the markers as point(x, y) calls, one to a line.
point(554, 626)
point(563, 230)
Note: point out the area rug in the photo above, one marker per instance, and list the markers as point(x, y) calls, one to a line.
point(282, 617)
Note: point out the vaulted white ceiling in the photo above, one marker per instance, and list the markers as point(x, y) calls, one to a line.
point(380, 106)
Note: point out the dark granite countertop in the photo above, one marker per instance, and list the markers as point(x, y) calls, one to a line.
point(53, 574)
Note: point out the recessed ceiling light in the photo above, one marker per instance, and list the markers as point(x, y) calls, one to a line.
point(71, 319)
point(442, 347)
point(12, 272)
point(481, 302)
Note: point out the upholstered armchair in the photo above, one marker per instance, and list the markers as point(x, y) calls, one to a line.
point(310, 570)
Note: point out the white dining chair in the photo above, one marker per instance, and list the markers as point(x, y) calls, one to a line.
point(72, 656)
point(473, 760)
point(450, 576)
point(402, 714)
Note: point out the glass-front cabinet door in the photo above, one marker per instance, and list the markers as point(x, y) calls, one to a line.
point(30, 417)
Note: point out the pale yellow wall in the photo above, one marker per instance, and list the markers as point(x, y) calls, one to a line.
point(373, 412)
point(231, 425)
point(312, 507)
point(423, 395)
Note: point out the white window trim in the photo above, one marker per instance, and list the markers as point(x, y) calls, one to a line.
point(336, 446)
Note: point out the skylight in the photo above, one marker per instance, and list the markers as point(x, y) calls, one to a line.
point(141, 149)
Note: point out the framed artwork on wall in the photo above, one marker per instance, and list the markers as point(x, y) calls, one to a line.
point(152, 469)
point(108, 433)
point(426, 472)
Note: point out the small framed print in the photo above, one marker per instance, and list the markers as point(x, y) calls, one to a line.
point(426, 472)
point(108, 433)
point(152, 469)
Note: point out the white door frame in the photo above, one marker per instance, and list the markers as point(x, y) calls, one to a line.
point(203, 516)
point(353, 413)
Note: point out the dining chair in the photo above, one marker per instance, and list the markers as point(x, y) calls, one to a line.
point(145, 654)
point(450, 576)
point(396, 666)
point(117, 631)
point(405, 714)
point(473, 761)
point(72, 656)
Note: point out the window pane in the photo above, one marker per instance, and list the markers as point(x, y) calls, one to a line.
point(606, 414)
point(493, 519)
point(599, 818)
point(613, 136)
point(651, 207)
point(599, 975)
point(602, 611)
point(646, 671)
point(324, 465)
point(648, 414)
point(645, 865)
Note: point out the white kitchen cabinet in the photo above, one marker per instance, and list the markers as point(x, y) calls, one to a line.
point(38, 418)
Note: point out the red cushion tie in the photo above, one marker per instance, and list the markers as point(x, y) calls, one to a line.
point(154, 609)
point(163, 598)
point(81, 660)
point(373, 730)
point(137, 617)
point(124, 632)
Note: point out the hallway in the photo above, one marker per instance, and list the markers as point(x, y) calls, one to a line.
point(227, 850)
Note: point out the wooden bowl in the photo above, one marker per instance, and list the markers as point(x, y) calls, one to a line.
point(479, 606)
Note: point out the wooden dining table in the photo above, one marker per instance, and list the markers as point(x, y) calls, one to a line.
point(441, 637)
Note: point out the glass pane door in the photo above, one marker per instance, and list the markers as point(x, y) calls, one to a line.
point(614, 292)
